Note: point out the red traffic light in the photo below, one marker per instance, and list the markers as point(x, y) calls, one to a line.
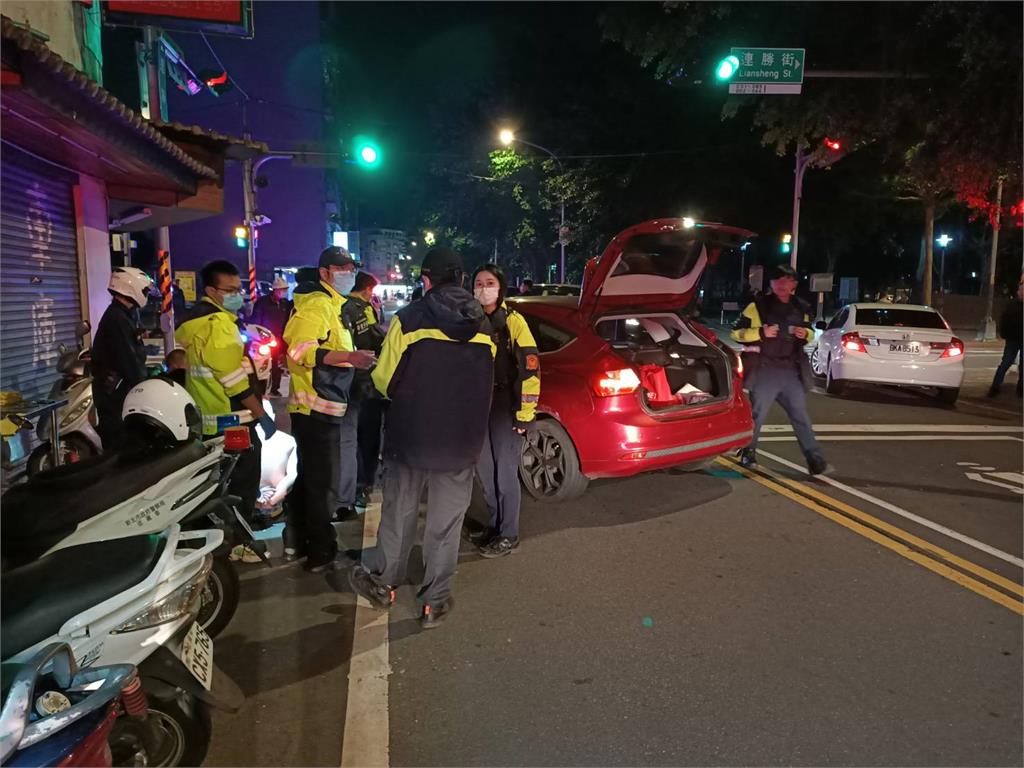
point(833, 144)
point(220, 79)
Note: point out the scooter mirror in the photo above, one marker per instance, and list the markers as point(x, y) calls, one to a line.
point(82, 330)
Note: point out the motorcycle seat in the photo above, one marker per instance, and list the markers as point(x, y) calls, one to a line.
point(39, 597)
point(40, 513)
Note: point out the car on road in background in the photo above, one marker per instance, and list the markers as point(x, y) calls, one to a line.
point(906, 345)
point(629, 383)
point(553, 289)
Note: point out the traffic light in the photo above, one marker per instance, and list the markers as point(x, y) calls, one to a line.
point(787, 243)
point(218, 82)
point(727, 67)
point(834, 144)
point(367, 153)
point(242, 236)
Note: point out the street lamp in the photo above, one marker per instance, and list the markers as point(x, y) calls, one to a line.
point(429, 238)
point(943, 241)
point(507, 137)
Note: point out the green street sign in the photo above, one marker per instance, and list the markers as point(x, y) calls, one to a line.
point(771, 70)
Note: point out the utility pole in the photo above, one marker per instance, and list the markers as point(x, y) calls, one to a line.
point(803, 160)
point(153, 97)
point(990, 324)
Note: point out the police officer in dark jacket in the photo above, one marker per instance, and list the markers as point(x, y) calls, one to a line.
point(1011, 329)
point(118, 354)
point(774, 328)
point(437, 368)
point(364, 322)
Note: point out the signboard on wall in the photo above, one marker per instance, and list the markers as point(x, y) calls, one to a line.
point(187, 281)
point(225, 17)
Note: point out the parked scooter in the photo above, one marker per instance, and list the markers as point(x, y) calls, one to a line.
point(55, 715)
point(168, 477)
point(76, 420)
point(130, 600)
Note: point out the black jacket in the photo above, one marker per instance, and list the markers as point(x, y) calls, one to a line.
point(1012, 320)
point(437, 367)
point(118, 357)
point(272, 315)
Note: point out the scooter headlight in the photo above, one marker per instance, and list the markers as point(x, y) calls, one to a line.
point(76, 413)
point(184, 601)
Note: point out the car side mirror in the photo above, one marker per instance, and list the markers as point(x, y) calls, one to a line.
point(821, 325)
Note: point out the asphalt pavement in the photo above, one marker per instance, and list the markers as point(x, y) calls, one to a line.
point(715, 618)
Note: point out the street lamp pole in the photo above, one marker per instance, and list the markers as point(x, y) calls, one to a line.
point(508, 137)
point(803, 161)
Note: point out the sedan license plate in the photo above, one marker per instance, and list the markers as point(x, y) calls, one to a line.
point(197, 655)
point(906, 347)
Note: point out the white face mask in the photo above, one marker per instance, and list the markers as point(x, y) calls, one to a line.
point(487, 296)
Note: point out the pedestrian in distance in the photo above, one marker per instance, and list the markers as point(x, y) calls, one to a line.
point(774, 329)
point(1011, 330)
point(363, 321)
point(118, 354)
point(513, 408)
point(272, 312)
point(176, 366)
point(525, 287)
point(220, 378)
point(437, 368)
point(321, 363)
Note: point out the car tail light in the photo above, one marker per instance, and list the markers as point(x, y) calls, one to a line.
point(264, 349)
point(272, 343)
point(955, 348)
point(622, 381)
point(852, 342)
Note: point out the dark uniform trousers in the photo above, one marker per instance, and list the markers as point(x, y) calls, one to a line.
point(780, 381)
point(371, 421)
point(448, 496)
point(309, 528)
point(498, 467)
point(245, 477)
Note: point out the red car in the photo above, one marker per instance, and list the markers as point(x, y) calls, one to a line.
point(629, 384)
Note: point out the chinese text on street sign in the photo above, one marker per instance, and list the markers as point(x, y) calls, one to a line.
point(768, 70)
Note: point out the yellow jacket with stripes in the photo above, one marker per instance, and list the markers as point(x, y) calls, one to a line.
point(218, 371)
point(525, 384)
point(313, 330)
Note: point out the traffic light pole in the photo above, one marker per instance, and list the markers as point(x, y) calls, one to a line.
point(803, 160)
point(250, 171)
point(990, 322)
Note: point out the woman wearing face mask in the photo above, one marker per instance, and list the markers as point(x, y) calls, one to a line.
point(513, 405)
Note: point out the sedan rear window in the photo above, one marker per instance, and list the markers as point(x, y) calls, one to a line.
point(549, 338)
point(900, 318)
point(665, 254)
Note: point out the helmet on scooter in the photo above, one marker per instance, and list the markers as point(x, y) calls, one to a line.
point(132, 283)
point(161, 410)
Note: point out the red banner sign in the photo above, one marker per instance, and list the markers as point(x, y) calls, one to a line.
point(222, 11)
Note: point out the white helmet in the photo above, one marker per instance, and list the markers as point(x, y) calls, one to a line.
point(159, 408)
point(132, 283)
point(280, 282)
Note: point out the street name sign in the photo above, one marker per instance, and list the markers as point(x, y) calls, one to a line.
point(768, 70)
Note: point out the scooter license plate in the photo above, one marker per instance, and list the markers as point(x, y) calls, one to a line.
point(197, 654)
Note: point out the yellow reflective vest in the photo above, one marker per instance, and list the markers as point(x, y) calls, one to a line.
point(314, 329)
point(218, 374)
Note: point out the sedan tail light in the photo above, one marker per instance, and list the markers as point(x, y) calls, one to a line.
point(955, 348)
point(852, 342)
point(622, 381)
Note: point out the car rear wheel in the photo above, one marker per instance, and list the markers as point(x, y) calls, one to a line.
point(949, 396)
point(833, 385)
point(549, 465)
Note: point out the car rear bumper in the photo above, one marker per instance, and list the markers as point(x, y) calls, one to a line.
point(634, 442)
point(940, 373)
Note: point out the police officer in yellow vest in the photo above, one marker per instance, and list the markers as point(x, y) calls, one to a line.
point(321, 362)
point(219, 372)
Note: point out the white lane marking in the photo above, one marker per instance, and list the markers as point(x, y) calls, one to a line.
point(971, 428)
point(906, 438)
point(366, 738)
point(1005, 556)
point(981, 479)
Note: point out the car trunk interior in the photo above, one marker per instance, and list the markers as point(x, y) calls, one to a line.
point(678, 368)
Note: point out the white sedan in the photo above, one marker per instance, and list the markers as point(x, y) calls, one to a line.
point(898, 344)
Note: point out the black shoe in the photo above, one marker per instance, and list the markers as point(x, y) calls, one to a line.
point(363, 498)
point(748, 458)
point(319, 566)
point(377, 595)
point(432, 615)
point(993, 392)
point(816, 465)
point(294, 554)
point(499, 547)
point(275, 393)
point(483, 536)
point(342, 514)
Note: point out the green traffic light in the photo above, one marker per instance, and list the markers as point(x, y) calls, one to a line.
point(727, 67)
point(368, 155)
point(367, 152)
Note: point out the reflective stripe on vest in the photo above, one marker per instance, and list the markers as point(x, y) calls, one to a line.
point(317, 403)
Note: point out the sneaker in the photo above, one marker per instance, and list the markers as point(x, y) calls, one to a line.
point(275, 393)
point(342, 514)
point(293, 554)
point(818, 466)
point(499, 547)
point(432, 615)
point(363, 498)
point(483, 536)
point(377, 595)
point(246, 554)
point(748, 458)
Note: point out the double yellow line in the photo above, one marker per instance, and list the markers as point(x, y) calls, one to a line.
point(934, 558)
